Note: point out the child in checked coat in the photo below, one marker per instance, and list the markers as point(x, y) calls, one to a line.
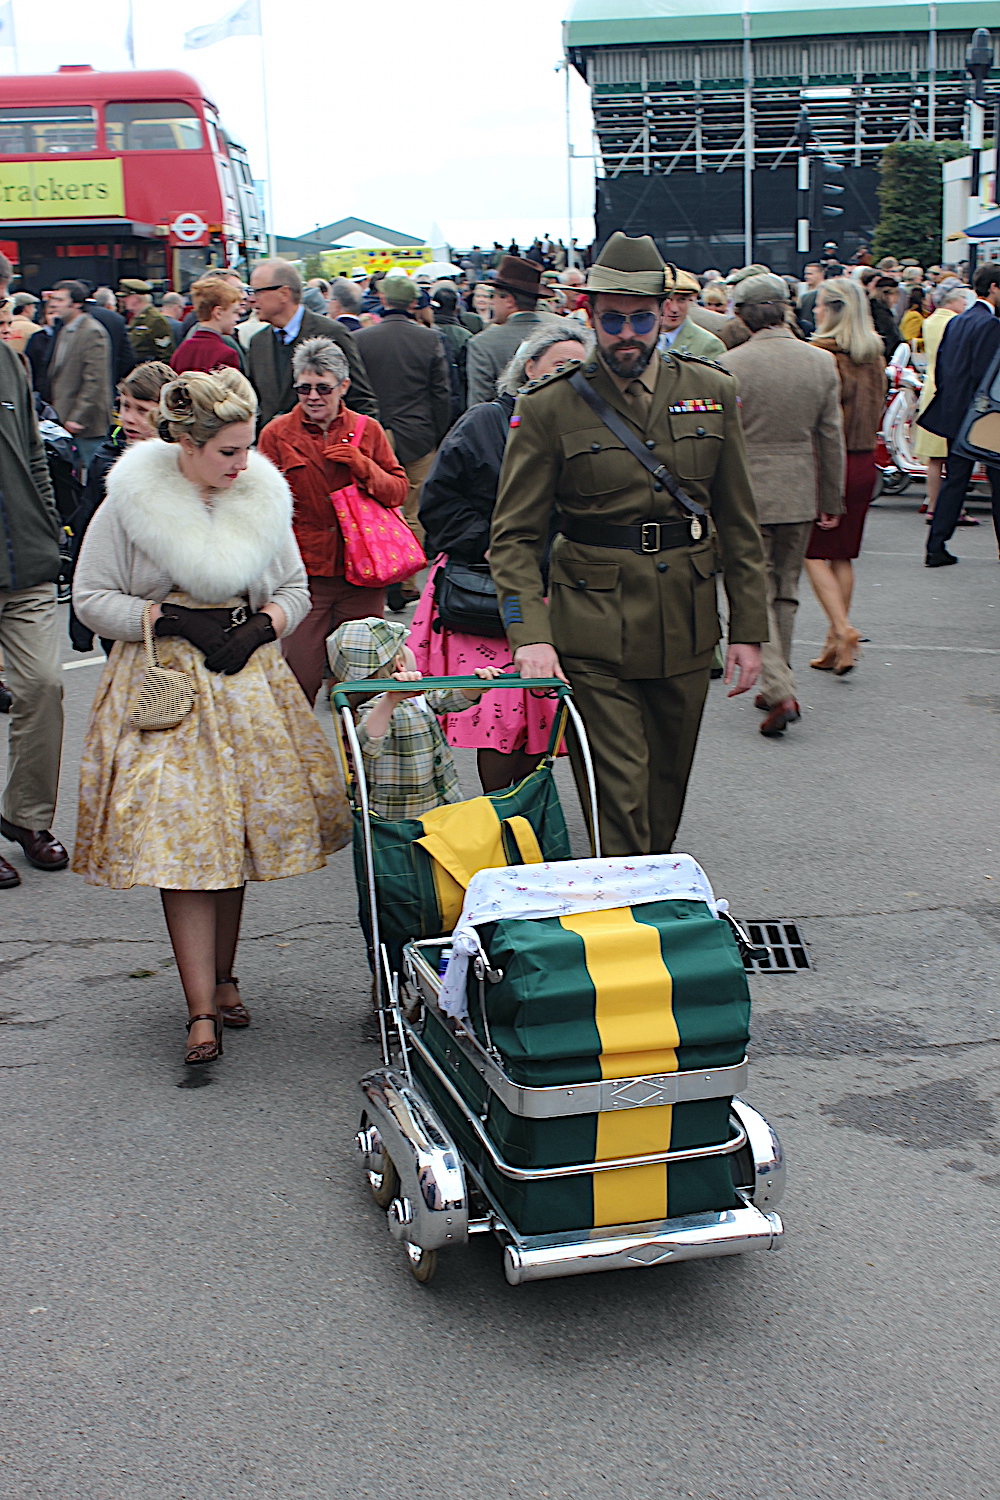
point(408, 765)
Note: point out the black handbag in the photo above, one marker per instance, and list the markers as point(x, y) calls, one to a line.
point(465, 597)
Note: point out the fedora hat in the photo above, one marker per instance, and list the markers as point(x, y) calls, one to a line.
point(633, 267)
point(521, 276)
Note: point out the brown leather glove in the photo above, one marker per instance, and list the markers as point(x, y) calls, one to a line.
point(240, 643)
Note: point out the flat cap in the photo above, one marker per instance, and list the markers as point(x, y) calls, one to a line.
point(766, 288)
point(742, 272)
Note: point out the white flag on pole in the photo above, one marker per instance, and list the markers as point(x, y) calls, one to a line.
point(7, 36)
point(244, 21)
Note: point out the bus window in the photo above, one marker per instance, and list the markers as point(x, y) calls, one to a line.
point(152, 127)
point(47, 128)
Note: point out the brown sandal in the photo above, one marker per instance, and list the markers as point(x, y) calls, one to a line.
point(233, 1015)
point(205, 1052)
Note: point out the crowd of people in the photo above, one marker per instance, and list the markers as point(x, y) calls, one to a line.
point(554, 457)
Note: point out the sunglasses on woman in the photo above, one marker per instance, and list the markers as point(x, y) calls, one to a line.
point(639, 322)
point(322, 389)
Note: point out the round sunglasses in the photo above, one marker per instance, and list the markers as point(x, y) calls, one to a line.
point(639, 322)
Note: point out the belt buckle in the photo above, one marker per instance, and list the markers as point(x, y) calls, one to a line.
point(645, 530)
point(238, 615)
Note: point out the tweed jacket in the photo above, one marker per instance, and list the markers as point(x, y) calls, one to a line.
point(154, 534)
point(488, 353)
point(409, 373)
point(274, 391)
point(693, 339)
point(790, 405)
point(79, 385)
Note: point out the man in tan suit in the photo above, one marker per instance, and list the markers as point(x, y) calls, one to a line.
point(78, 370)
point(790, 403)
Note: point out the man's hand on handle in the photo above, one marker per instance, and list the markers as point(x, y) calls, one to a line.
point(742, 668)
point(541, 660)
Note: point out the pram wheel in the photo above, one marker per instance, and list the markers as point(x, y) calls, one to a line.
point(422, 1263)
point(383, 1179)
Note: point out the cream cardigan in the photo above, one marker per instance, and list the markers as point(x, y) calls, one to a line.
point(154, 534)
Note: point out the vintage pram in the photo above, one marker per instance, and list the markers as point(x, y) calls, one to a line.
point(564, 1072)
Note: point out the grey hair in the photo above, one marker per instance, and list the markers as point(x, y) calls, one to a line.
point(949, 291)
point(104, 297)
point(346, 293)
point(553, 332)
point(322, 357)
point(281, 273)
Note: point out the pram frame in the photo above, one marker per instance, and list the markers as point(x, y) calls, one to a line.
point(432, 1208)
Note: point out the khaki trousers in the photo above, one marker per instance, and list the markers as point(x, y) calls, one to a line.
point(642, 737)
point(784, 553)
point(29, 636)
point(416, 473)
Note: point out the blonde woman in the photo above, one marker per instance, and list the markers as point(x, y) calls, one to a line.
point(196, 534)
point(844, 327)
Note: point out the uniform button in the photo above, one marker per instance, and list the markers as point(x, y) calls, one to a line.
point(661, 567)
point(657, 485)
point(700, 431)
point(650, 443)
point(595, 447)
point(581, 583)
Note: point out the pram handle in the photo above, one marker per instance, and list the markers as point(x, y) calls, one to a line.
point(340, 693)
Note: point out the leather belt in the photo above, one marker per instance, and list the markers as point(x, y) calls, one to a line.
point(650, 536)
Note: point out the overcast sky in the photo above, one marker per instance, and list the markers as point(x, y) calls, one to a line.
point(454, 121)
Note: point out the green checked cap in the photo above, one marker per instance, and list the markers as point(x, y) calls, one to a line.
point(362, 648)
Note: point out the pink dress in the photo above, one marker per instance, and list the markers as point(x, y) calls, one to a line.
point(503, 720)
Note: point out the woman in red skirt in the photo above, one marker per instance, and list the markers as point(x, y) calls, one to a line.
point(844, 326)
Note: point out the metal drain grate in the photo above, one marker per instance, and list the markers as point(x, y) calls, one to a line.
point(788, 951)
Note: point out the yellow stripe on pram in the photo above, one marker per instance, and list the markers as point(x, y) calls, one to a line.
point(633, 1012)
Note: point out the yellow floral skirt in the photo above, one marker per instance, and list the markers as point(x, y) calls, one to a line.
point(245, 787)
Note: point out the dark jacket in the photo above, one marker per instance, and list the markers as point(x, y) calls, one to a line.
point(116, 328)
point(29, 522)
point(274, 387)
point(459, 493)
point(967, 348)
point(98, 469)
point(38, 352)
point(409, 371)
point(885, 326)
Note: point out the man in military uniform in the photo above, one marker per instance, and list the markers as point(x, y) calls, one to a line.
point(631, 620)
point(148, 330)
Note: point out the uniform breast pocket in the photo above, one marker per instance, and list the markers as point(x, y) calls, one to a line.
point(697, 440)
point(585, 610)
point(596, 463)
point(705, 627)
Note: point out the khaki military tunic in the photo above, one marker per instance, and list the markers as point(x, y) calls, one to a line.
point(635, 630)
point(150, 336)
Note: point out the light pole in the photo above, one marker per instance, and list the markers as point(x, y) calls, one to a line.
point(564, 68)
point(978, 62)
point(803, 134)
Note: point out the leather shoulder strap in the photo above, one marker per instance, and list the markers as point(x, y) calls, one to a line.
point(614, 423)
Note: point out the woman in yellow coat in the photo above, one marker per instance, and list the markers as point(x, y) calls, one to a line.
point(929, 448)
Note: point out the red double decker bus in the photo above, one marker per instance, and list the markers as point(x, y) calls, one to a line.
point(104, 175)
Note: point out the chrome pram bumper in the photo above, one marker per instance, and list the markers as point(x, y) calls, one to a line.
point(431, 1209)
point(632, 1248)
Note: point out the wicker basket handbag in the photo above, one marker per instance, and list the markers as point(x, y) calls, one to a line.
point(165, 697)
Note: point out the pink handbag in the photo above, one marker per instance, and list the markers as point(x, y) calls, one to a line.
point(379, 547)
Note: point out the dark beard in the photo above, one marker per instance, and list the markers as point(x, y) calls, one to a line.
point(634, 370)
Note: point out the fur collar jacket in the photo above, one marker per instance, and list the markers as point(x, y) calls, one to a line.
point(210, 554)
point(154, 535)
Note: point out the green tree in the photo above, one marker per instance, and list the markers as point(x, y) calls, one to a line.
point(909, 195)
point(312, 266)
